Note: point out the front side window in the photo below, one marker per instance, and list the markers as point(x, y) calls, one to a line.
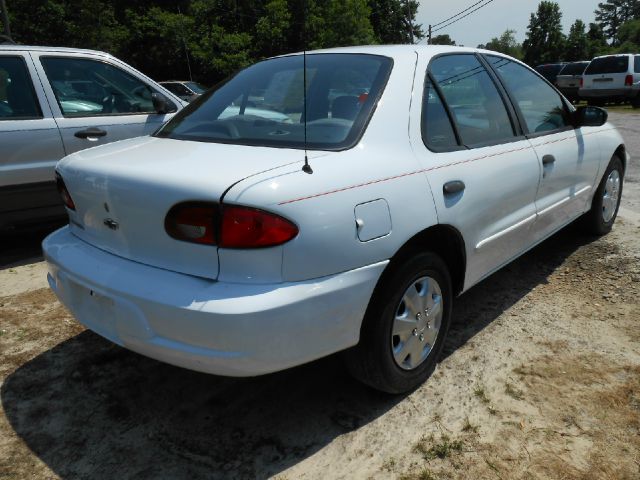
point(541, 106)
point(473, 99)
point(85, 88)
point(17, 98)
point(265, 104)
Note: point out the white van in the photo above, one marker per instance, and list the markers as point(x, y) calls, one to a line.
point(612, 78)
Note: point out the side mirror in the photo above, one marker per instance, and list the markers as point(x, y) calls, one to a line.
point(590, 117)
point(160, 103)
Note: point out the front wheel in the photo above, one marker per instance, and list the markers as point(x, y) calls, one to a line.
point(606, 201)
point(405, 325)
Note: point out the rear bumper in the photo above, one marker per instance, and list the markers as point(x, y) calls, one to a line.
point(214, 327)
point(622, 93)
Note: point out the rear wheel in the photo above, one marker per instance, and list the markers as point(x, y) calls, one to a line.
point(606, 201)
point(635, 102)
point(405, 325)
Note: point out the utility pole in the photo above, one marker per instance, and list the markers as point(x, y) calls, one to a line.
point(429, 36)
point(5, 18)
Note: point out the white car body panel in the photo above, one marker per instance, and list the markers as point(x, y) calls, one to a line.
point(247, 312)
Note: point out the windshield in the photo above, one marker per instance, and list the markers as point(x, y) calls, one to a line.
point(196, 87)
point(264, 104)
point(574, 68)
point(608, 65)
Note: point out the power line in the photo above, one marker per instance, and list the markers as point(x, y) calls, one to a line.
point(458, 14)
point(464, 16)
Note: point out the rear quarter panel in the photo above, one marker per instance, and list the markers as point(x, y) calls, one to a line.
point(322, 204)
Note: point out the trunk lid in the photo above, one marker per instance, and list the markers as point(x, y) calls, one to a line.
point(123, 191)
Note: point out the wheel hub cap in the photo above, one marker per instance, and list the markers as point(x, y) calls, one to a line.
point(417, 323)
point(611, 196)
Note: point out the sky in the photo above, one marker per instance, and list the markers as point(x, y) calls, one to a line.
point(496, 17)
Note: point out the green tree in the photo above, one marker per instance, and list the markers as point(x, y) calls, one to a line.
point(506, 44)
point(596, 41)
point(442, 40)
point(272, 28)
point(577, 44)
point(349, 21)
point(629, 35)
point(544, 42)
point(612, 14)
point(392, 21)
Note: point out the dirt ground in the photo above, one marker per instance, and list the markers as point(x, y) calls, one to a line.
point(540, 380)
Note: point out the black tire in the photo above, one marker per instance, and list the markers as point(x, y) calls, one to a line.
point(596, 103)
point(594, 221)
point(635, 102)
point(372, 360)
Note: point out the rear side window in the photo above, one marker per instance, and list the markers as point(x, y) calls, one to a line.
point(540, 105)
point(17, 97)
point(473, 99)
point(574, 68)
point(637, 62)
point(177, 88)
point(437, 131)
point(85, 88)
point(613, 64)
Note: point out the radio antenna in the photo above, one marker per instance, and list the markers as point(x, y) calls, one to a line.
point(306, 168)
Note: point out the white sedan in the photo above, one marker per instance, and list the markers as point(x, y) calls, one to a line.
point(241, 245)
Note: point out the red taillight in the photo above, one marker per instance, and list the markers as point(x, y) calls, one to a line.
point(229, 226)
point(244, 227)
point(628, 81)
point(192, 222)
point(64, 193)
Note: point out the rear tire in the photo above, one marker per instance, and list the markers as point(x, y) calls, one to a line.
point(405, 325)
point(635, 102)
point(606, 201)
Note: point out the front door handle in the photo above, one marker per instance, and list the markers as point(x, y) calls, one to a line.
point(548, 159)
point(92, 132)
point(454, 186)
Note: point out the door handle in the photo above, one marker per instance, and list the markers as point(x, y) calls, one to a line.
point(548, 159)
point(454, 186)
point(90, 132)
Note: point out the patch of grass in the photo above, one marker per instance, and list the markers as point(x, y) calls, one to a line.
point(469, 427)
point(424, 474)
point(389, 464)
point(492, 410)
point(481, 394)
point(513, 392)
point(430, 449)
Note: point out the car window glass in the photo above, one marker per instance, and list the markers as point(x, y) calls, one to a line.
point(177, 88)
point(437, 131)
point(88, 88)
point(264, 104)
point(574, 68)
point(612, 64)
point(637, 62)
point(472, 97)
point(17, 97)
point(542, 107)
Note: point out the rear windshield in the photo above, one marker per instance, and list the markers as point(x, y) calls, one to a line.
point(574, 68)
point(637, 69)
point(264, 104)
point(608, 65)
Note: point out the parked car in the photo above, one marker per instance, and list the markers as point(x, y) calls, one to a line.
point(568, 80)
point(550, 71)
point(56, 101)
point(245, 245)
point(612, 78)
point(185, 89)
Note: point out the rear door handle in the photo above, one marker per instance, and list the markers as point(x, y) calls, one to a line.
point(90, 132)
point(454, 186)
point(548, 159)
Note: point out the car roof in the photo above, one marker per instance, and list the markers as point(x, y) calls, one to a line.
point(35, 48)
point(399, 50)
